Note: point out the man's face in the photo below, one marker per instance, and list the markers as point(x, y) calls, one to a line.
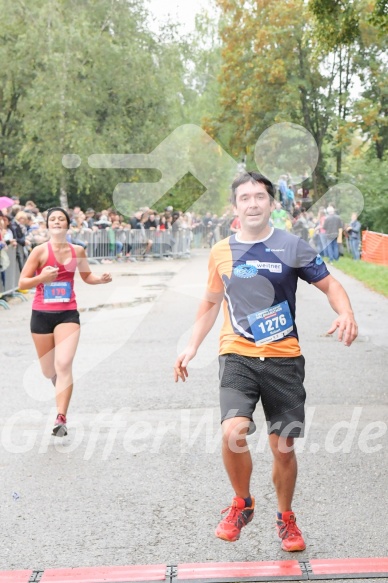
point(253, 206)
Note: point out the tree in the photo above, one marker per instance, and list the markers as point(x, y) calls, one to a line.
point(83, 78)
point(272, 73)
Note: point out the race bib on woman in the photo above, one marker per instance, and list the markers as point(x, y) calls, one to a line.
point(58, 291)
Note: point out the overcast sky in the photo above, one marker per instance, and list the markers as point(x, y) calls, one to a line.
point(182, 11)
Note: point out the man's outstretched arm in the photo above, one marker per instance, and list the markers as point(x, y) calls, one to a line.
point(339, 301)
point(206, 316)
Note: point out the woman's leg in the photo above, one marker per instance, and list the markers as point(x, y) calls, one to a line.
point(66, 338)
point(45, 348)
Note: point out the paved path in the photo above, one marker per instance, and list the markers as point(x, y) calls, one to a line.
point(139, 479)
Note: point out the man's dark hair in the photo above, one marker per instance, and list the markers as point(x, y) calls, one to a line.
point(252, 177)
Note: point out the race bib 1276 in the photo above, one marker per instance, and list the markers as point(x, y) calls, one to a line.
point(271, 324)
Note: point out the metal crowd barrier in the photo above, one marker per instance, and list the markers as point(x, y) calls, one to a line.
point(136, 243)
point(113, 244)
point(207, 236)
point(9, 276)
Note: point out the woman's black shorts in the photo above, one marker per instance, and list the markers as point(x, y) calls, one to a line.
point(45, 322)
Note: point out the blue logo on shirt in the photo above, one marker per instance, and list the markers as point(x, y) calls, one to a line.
point(318, 260)
point(245, 271)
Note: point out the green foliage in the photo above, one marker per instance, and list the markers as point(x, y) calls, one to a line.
point(369, 175)
point(183, 196)
point(337, 21)
point(81, 78)
point(379, 16)
point(373, 276)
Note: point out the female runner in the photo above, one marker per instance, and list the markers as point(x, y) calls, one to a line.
point(55, 324)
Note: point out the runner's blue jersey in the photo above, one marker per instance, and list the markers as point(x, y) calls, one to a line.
point(265, 274)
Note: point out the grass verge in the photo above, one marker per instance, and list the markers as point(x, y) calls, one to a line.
point(373, 276)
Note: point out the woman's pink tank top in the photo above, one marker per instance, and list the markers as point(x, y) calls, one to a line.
point(59, 295)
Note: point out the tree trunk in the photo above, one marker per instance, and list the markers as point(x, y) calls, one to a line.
point(63, 196)
point(319, 180)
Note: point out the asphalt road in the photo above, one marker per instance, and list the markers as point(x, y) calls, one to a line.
point(139, 479)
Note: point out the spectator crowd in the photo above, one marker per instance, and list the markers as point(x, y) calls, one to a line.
point(325, 231)
point(149, 232)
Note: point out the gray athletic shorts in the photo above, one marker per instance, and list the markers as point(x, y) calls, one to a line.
point(278, 382)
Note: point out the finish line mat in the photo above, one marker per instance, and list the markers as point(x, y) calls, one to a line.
point(312, 570)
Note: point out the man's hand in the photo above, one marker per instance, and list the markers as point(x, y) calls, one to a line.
point(180, 366)
point(347, 328)
point(339, 301)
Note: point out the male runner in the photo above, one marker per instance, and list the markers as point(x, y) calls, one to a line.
point(255, 274)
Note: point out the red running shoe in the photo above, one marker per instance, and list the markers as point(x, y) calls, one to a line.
point(292, 539)
point(238, 516)
point(60, 429)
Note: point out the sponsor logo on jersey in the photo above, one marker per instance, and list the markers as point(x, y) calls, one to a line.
point(318, 260)
point(272, 267)
point(245, 271)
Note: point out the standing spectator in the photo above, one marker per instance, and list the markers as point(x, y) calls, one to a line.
point(235, 225)
point(8, 236)
point(300, 226)
point(40, 234)
point(279, 217)
point(321, 242)
point(208, 228)
point(30, 206)
point(145, 236)
point(175, 228)
point(186, 233)
point(282, 186)
point(332, 226)
point(306, 186)
point(214, 234)
point(19, 230)
point(78, 228)
point(135, 220)
point(150, 224)
point(290, 201)
point(90, 217)
point(207, 219)
point(354, 233)
point(6, 239)
point(103, 221)
point(163, 224)
point(197, 230)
